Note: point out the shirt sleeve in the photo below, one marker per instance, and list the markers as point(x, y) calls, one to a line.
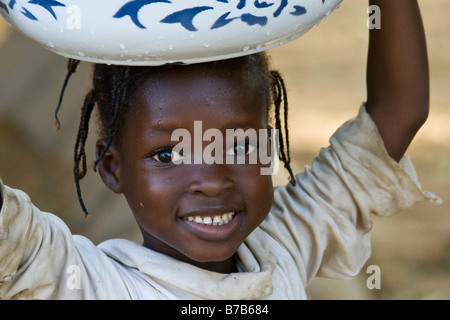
point(324, 221)
point(41, 259)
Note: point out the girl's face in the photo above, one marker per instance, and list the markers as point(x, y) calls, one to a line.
point(197, 213)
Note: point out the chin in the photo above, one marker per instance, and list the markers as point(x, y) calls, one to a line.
point(213, 256)
point(214, 260)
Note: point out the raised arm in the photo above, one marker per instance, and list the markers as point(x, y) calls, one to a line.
point(397, 74)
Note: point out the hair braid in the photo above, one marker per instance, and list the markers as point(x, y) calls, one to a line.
point(121, 79)
point(280, 95)
point(72, 65)
point(80, 164)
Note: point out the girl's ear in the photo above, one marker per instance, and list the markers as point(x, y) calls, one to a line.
point(109, 166)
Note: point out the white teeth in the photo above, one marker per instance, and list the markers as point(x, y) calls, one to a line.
point(218, 220)
point(198, 219)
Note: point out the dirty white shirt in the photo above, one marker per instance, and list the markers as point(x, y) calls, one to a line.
point(318, 228)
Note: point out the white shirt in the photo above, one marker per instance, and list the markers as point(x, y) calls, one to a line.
point(318, 228)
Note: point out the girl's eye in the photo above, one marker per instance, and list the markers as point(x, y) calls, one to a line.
point(167, 155)
point(241, 149)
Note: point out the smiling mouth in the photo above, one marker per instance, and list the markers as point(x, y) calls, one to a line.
point(216, 220)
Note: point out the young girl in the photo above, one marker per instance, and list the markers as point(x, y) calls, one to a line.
point(220, 230)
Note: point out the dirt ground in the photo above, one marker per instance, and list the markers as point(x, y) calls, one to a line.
point(325, 75)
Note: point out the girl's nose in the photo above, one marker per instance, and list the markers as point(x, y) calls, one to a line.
point(209, 179)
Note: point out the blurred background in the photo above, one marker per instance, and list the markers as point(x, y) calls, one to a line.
point(325, 75)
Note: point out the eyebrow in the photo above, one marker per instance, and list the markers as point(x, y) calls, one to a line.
point(168, 128)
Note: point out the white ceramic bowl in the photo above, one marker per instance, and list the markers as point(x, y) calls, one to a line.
point(155, 32)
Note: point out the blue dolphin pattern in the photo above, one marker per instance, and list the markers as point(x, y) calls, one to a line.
point(28, 14)
point(185, 17)
point(47, 5)
point(299, 10)
point(132, 8)
point(263, 4)
point(10, 5)
point(223, 20)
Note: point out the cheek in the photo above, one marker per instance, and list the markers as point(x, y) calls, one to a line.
point(257, 190)
point(149, 192)
point(153, 201)
point(264, 192)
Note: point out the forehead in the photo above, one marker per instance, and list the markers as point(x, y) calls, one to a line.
point(201, 92)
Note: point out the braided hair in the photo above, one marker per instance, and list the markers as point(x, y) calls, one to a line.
point(113, 85)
